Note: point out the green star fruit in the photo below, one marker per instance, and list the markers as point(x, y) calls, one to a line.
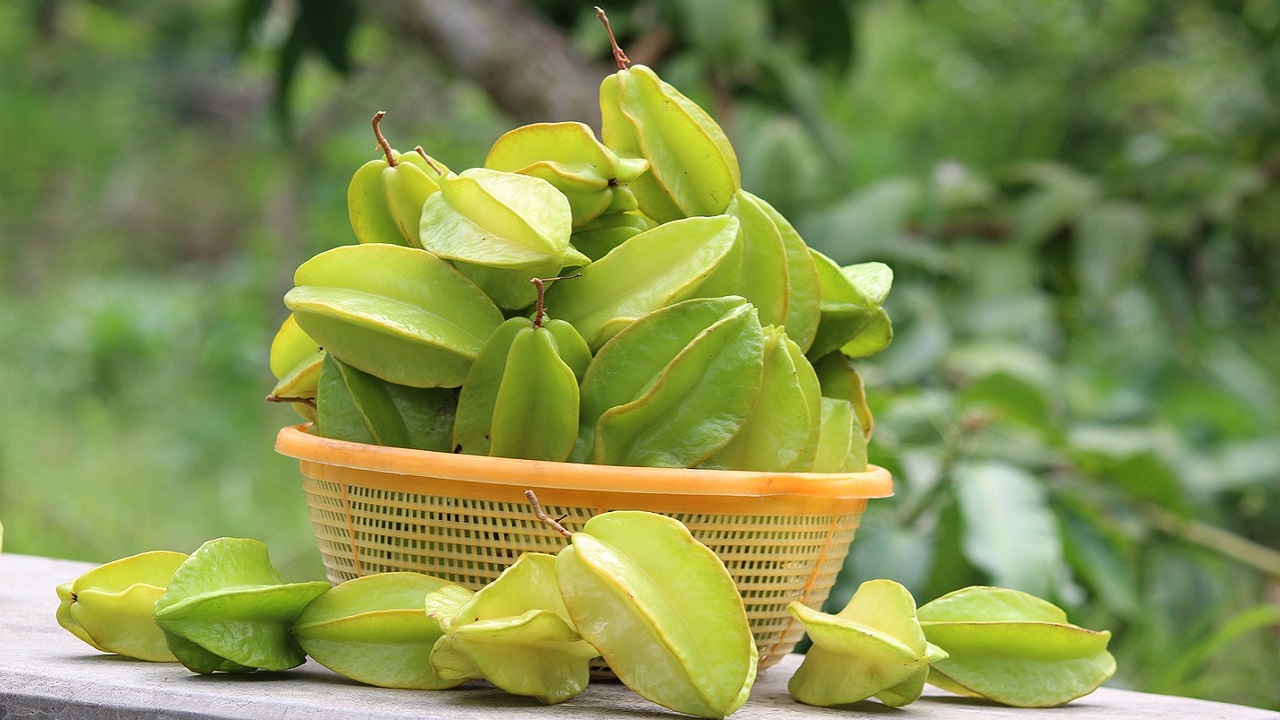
point(501, 229)
point(648, 271)
point(1013, 648)
point(781, 432)
point(567, 154)
point(398, 313)
point(375, 630)
point(516, 633)
point(852, 319)
point(662, 610)
point(673, 388)
point(874, 647)
point(226, 609)
point(295, 362)
point(112, 607)
point(385, 196)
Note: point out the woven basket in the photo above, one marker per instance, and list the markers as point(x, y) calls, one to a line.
point(464, 518)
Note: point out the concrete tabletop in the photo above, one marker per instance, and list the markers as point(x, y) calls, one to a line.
point(45, 672)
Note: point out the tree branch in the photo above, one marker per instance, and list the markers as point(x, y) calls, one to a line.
point(524, 62)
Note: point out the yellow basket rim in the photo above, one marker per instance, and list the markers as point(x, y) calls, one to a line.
point(296, 442)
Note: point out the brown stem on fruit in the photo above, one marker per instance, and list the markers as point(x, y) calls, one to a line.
point(382, 142)
point(285, 399)
point(544, 517)
point(540, 307)
point(618, 56)
point(439, 170)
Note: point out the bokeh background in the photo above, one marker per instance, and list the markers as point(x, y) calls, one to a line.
point(1080, 200)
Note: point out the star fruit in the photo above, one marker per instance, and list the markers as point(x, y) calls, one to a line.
point(1013, 648)
point(375, 630)
point(112, 606)
point(515, 632)
point(662, 610)
point(874, 647)
point(227, 609)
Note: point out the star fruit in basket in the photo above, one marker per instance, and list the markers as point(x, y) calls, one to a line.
point(112, 607)
point(374, 630)
point(771, 267)
point(500, 229)
point(674, 387)
point(385, 196)
point(396, 312)
point(515, 632)
point(1013, 648)
point(781, 432)
point(874, 647)
point(648, 271)
point(693, 169)
point(295, 361)
point(358, 407)
point(853, 319)
point(227, 609)
point(520, 398)
point(598, 237)
point(567, 154)
point(661, 609)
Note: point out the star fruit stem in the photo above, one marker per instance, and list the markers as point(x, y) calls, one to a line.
point(544, 517)
point(618, 56)
point(382, 141)
point(439, 170)
point(540, 307)
point(287, 399)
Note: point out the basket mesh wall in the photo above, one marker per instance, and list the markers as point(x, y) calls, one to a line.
point(362, 529)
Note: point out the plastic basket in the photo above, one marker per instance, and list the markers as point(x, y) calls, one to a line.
point(464, 518)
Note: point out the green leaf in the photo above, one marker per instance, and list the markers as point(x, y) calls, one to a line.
point(1104, 558)
point(1113, 242)
point(1009, 530)
point(1060, 196)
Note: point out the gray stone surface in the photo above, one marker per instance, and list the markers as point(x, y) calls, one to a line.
point(46, 672)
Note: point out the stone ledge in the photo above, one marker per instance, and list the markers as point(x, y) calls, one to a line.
point(46, 672)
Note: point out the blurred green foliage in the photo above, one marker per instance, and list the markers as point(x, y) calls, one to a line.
point(1080, 201)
